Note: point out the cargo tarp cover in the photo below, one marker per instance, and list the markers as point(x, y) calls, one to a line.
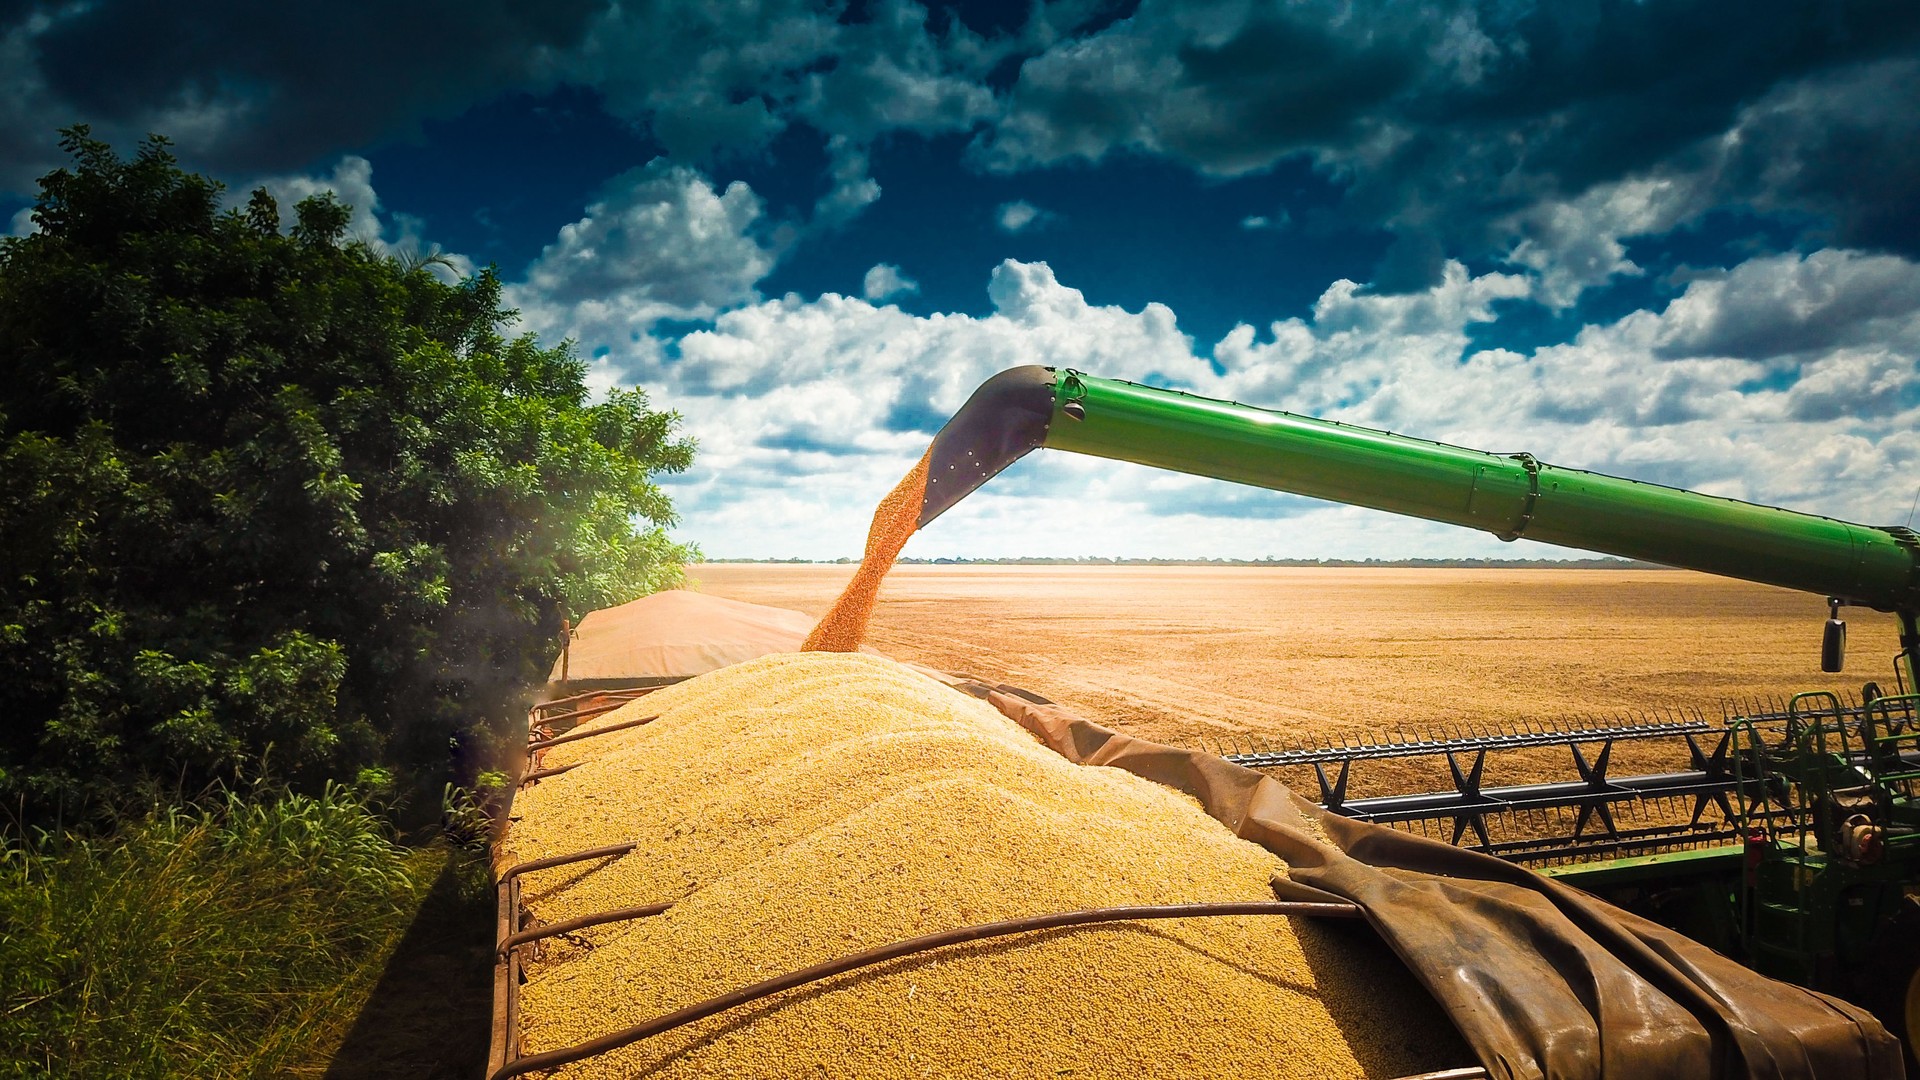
point(1543, 980)
point(675, 635)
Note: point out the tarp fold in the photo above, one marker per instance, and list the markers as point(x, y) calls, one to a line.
point(1542, 979)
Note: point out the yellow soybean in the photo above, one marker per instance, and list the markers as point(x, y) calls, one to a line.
point(804, 806)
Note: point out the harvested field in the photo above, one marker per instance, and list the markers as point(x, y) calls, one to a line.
point(1188, 654)
point(805, 806)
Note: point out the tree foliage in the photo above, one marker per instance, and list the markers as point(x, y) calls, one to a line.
point(273, 503)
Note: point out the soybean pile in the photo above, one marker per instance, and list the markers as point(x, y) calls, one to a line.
point(804, 806)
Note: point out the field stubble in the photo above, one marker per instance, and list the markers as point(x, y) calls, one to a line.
point(1189, 655)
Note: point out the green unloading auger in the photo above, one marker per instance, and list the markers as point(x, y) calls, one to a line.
point(1509, 495)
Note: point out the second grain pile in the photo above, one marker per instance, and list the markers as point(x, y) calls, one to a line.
point(805, 806)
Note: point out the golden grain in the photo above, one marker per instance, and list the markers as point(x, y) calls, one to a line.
point(806, 806)
point(845, 625)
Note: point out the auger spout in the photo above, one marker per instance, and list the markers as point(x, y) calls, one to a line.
point(1509, 495)
point(1007, 416)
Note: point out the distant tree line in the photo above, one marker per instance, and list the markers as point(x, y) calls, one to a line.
point(274, 505)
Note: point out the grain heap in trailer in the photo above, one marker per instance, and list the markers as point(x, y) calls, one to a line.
point(732, 857)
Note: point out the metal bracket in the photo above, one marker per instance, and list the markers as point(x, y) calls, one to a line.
point(1532, 465)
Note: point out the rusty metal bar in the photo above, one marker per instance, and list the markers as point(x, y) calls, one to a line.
point(766, 988)
point(552, 861)
point(580, 716)
point(542, 774)
point(512, 960)
point(505, 1022)
point(640, 911)
point(627, 693)
point(576, 736)
point(506, 969)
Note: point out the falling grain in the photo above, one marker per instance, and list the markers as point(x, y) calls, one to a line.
point(845, 626)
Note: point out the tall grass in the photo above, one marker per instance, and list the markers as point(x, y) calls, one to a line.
point(229, 941)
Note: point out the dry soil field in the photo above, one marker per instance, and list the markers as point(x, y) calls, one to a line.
point(1189, 654)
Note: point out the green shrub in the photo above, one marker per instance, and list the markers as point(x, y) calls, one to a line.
point(273, 504)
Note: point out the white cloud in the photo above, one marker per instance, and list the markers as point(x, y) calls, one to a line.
point(712, 76)
point(809, 410)
point(659, 243)
point(1803, 146)
point(731, 75)
point(852, 191)
point(351, 182)
point(23, 223)
point(1573, 244)
point(893, 73)
point(1514, 130)
point(1019, 215)
point(886, 280)
point(1786, 304)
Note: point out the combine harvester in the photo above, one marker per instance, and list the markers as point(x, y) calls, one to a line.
point(1797, 854)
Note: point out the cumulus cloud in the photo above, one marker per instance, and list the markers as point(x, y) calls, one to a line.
point(895, 73)
point(885, 280)
point(1843, 143)
point(1550, 132)
point(1787, 305)
point(729, 76)
point(1205, 83)
point(704, 77)
point(808, 410)
point(351, 182)
point(1573, 244)
point(1551, 135)
point(660, 242)
point(1839, 144)
point(1670, 396)
point(852, 191)
point(1019, 215)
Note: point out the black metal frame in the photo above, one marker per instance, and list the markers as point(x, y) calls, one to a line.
point(1533, 811)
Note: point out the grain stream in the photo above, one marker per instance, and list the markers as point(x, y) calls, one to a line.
point(804, 806)
point(844, 627)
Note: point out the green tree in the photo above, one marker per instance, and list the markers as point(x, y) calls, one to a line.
point(274, 504)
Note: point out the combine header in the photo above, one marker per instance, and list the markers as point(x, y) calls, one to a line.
point(1787, 838)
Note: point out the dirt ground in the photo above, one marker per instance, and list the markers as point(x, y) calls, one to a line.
point(1199, 655)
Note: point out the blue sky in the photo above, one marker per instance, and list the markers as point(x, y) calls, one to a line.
point(1671, 239)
